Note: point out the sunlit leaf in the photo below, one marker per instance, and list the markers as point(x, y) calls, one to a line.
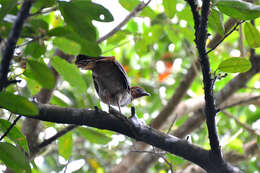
point(239, 9)
point(14, 158)
point(41, 73)
point(216, 21)
point(70, 73)
point(93, 136)
point(169, 7)
point(17, 104)
point(14, 134)
point(67, 46)
point(252, 35)
point(35, 49)
point(235, 65)
point(65, 145)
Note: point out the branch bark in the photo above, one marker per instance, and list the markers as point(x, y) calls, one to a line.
point(140, 132)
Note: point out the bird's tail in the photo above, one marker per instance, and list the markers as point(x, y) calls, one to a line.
point(88, 62)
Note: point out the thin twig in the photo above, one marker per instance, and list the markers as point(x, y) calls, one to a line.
point(244, 125)
point(56, 136)
point(240, 102)
point(133, 13)
point(10, 127)
point(42, 11)
point(230, 32)
point(173, 121)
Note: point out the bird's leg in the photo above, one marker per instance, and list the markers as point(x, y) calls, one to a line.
point(108, 100)
point(118, 106)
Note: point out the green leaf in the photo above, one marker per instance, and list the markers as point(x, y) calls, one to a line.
point(119, 36)
point(67, 46)
point(35, 49)
point(235, 65)
point(131, 4)
point(90, 48)
point(258, 141)
point(70, 73)
point(65, 145)
point(239, 9)
point(169, 7)
point(79, 14)
point(94, 136)
point(14, 134)
point(14, 158)
point(216, 21)
point(18, 104)
point(132, 26)
point(33, 85)
point(41, 73)
point(6, 7)
point(252, 35)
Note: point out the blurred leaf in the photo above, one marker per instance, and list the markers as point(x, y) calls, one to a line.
point(119, 36)
point(58, 101)
point(236, 145)
point(44, 3)
point(35, 49)
point(18, 104)
point(70, 73)
point(90, 48)
point(86, 11)
point(65, 145)
point(169, 7)
point(13, 158)
point(235, 65)
point(216, 21)
point(131, 4)
point(33, 85)
point(252, 35)
point(41, 73)
point(14, 134)
point(67, 46)
point(239, 9)
point(153, 34)
point(258, 141)
point(94, 136)
point(175, 159)
point(6, 7)
point(132, 26)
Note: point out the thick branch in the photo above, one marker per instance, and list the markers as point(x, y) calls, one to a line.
point(11, 42)
point(103, 120)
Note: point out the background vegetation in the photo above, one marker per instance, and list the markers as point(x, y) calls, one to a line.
point(155, 44)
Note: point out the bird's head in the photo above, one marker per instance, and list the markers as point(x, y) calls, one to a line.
point(137, 92)
point(85, 62)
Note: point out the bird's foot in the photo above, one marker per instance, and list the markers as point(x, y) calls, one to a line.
point(134, 119)
point(117, 114)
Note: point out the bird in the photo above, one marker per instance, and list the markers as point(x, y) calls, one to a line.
point(110, 80)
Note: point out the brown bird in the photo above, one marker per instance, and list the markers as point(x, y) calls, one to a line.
point(110, 80)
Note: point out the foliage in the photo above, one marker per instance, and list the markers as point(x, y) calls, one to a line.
point(156, 50)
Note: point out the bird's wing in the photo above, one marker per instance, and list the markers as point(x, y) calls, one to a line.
point(95, 84)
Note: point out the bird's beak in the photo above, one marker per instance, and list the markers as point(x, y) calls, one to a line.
point(144, 93)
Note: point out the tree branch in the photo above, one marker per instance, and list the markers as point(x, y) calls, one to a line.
point(140, 132)
point(11, 42)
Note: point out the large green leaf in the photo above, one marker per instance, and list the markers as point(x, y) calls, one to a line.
point(35, 49)
point(67, 46)
point(90, 48)
point(216, 21)
point(6, 7)
point(14, 134)
point(235, 65)
point(169, 7)
point(70, 73)
point(41, 73)
point(252, 35)
point(239, 9)
point(93, 136)
point(14, 158)
point(65, 145)
point(79, 14)
point(17, 104)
